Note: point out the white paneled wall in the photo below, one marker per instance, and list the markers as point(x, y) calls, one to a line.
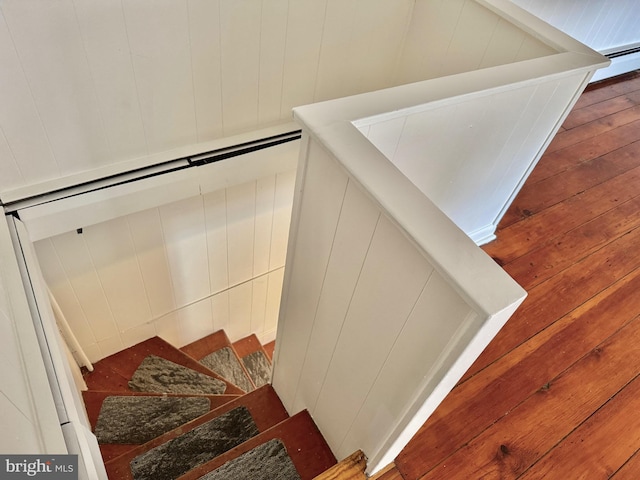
point(446, 37)
point(28, 415)
point(468, 158)
point(608, 27)
point(16, 413)
point(601, 25)
point(88, 84)
point(181, 271)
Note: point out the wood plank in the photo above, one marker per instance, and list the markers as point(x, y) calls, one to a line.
point(307, 449)
point(594, 112)
point(562, 293)
point(481, 400)
point(351, 468)
point(596, 145)
point(263, 404)
point(517, 440)
point(592, 450)
point(589, 130)
point(535, 197)
point(521, 237)
point(629, 471)
point(565, 250)
point(606, 89)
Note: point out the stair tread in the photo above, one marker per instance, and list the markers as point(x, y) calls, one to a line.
point(114, 372)
point(263, 405)
point(307, 449)
point(248, 345)
point(93, 401)
point(216, 352)
point(268, 461)
point(255, 359)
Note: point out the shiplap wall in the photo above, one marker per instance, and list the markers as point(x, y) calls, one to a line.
point(608, 27)
point(86, 84)
point(603, 26)
point(470, 157)
point(181, 271)
point(27, 408)
point(446, 37)
point(16, 413)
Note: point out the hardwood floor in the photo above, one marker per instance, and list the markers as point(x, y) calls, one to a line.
point(556, 395)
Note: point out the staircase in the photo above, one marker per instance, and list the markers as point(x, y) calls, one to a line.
point(206, 411)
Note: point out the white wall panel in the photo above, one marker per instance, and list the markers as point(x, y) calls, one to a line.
point(384, 296)
point(9, 170)
point(272, 307)
point(260, 290)
point(240, 43)
point(357, 222)
point(379, 33)
point(74, 255)
point(148, 240)
point(28, 414)
point(186, 243)
point(240, 304)
point(285, 184)
point(47, 37)
point(13, 388)
point(305, 26)
point(446, 37)
point(215, 208)
point(29, 154)
point(195, 321)
point(106, 45)
point(63, 291)
point(204, 36)
point(273, 34)
point(114, 258)
point(161, 56)
point(440, 310)
point(601, 25)
point(263, 224)
point(220, 311)
point(241, 210)
point(319, 213)
point(336, 69)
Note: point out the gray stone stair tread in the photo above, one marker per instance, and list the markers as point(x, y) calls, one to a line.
point(269, 461)
point(159, 375)
point(205, 442)
point(258, 366)
point(136, 420)
point(225, 363)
